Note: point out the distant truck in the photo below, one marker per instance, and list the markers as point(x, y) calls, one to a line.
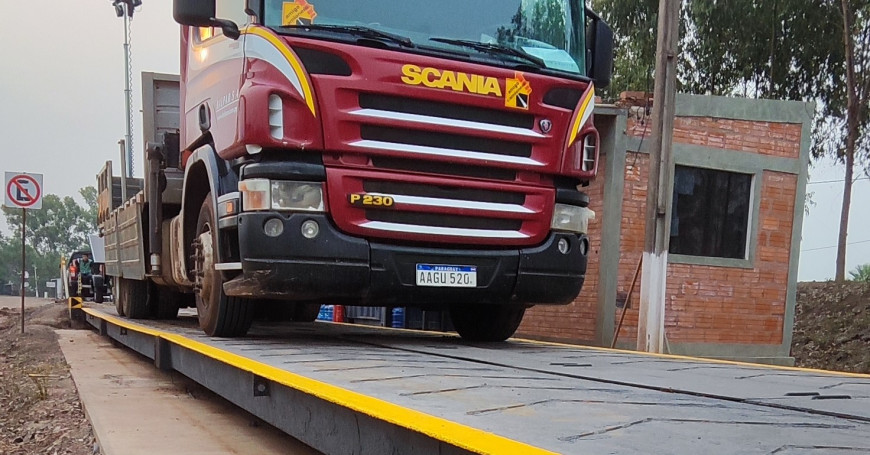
point(85, 285)
point(374, 153)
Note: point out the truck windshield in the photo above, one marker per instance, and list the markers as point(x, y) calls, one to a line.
point(547, 32)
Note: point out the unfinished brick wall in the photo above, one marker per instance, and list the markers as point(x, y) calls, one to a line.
point(631, 239)
point(574, 323)
point(705, 304)
point(763, 138)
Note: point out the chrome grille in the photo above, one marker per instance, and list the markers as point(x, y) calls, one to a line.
point(426, 108)
point(459, 168)
point(433, 131)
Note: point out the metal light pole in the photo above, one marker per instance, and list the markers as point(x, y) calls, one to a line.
point(125, 9)
point(128, 95)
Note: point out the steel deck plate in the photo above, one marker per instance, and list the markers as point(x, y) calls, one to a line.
point(546, 397)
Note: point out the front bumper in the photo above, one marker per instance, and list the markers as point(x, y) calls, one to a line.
point(340, 269)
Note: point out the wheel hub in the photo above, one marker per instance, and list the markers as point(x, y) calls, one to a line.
point(204, 279)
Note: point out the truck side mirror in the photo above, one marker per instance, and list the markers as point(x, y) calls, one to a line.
point(197, 13)
point(201, 13)
point(600, 39)
point(253, 8)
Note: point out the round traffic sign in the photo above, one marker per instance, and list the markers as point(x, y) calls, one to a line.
point(23, 191)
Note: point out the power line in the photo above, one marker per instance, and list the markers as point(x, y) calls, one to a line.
point(835, 246)
point(836, 181)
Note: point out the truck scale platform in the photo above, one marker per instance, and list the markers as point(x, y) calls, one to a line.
point(349, 389)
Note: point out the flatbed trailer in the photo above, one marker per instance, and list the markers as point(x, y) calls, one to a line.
point(356, 389)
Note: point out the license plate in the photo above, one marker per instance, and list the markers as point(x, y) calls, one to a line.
point(448, 276)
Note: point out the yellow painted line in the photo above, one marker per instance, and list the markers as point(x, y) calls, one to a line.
point(698, 359)
point(462, 436)
point(124, 323)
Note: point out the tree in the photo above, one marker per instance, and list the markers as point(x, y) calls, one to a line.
point(634, 26)
point(60, 227)
point(856, 42)
point(815, 50)
point(861, 273)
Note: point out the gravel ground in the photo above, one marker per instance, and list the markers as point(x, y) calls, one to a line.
point(41, 412)
point(832, 326)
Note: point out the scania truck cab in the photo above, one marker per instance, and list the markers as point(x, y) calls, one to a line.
point(381, 153)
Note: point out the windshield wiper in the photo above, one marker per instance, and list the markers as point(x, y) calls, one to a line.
point(492, 48)
point(360, 31)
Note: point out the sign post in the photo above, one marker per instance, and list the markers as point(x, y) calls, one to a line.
point(23, 264)
point(23, 191)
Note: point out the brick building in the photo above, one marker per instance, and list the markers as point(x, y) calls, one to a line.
point(738, 200)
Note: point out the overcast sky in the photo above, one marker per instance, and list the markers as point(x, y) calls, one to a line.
point(62, 110)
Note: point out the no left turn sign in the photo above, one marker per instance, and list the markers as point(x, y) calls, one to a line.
point(23, 190)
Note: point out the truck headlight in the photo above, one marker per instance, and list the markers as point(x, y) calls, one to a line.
point(571, 218)
point(297, 196)
point(265, 194)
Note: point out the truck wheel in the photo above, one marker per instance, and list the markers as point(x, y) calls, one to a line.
point(306, 312)
point(164, 302)
point(219, 314)
point(486, 322)
point(134, 298)
point(99, 287)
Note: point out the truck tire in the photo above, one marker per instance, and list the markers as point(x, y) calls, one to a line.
point(164, 302)
point(306, 312)
point(99, 288)
point(134, 298)
point(219, 315)
point(476, 322)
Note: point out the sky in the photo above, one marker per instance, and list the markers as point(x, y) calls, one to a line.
point(62, 111)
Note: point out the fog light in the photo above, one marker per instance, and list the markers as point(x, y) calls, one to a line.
point(564, 246)
point(310, 229)
point(571, 218)
point(584, 246)
point(274, 227)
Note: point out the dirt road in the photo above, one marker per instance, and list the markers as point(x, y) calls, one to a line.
point(8, 301)
point(136, 408)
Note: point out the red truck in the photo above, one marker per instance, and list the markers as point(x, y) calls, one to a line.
point(366, 152)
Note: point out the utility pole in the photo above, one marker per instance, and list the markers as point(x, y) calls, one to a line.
point(651, 320)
